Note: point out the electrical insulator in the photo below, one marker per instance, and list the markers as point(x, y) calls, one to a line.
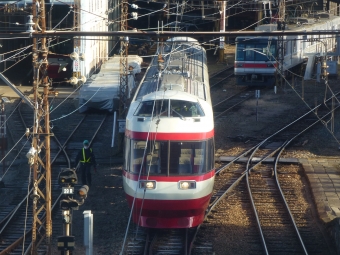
point(27, 133)
point(74, 56)
point(30, 24)
point(66, 217)
point(73, 80)
point(109, 23)
point(31, 153)
point(134, 15)
point(35, 196)
point(82, 79)
point(81, 56)
point(134, 6)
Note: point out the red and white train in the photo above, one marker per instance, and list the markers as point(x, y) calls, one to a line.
point(169, 170)
point(256, 58)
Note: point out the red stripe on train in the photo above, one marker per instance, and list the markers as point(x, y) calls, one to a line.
point(176, 178)
point(170, 136)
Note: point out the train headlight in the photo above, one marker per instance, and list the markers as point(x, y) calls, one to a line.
point(147, 184)
point(187, 185)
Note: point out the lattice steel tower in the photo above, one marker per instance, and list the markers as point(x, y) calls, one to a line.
point(39, 154)
point(124, 43)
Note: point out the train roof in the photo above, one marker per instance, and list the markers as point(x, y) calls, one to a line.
point(180, 66)
point(170, 94)
point(319, 21)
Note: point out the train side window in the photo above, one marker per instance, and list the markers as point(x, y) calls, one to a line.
point(210, 155)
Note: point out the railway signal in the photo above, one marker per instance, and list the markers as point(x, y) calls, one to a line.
point(68, 178)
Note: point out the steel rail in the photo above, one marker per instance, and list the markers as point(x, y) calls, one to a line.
point(251, 197)
point(62, 147)
point(228, 98)
point(231, 107)
point(283, 196)
point(219, 72)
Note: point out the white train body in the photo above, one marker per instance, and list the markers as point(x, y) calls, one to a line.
point(256, 58)
point(169, 171)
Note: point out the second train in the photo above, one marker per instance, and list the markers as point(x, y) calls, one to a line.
point(257, 60)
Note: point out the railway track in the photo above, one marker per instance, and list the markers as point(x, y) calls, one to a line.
point(279, 221)
point(277, 227)
point(218, 79)
point(224, 106)
point(227, 97)
point(16, 216)
point(161, 241)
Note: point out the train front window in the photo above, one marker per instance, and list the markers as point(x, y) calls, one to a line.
point(178, 108)
point(153, 108)
point(145, 157)
point(256, 51)
point(240, 52)
point(169, 157)
point(182, 109)
point(188, 158)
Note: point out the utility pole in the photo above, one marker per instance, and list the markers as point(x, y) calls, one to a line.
point(41, 138)
point(281, 25)
point(123, 60)
point(123, 86)
point(76, 43)
point(3, 135)
point(222, 29)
